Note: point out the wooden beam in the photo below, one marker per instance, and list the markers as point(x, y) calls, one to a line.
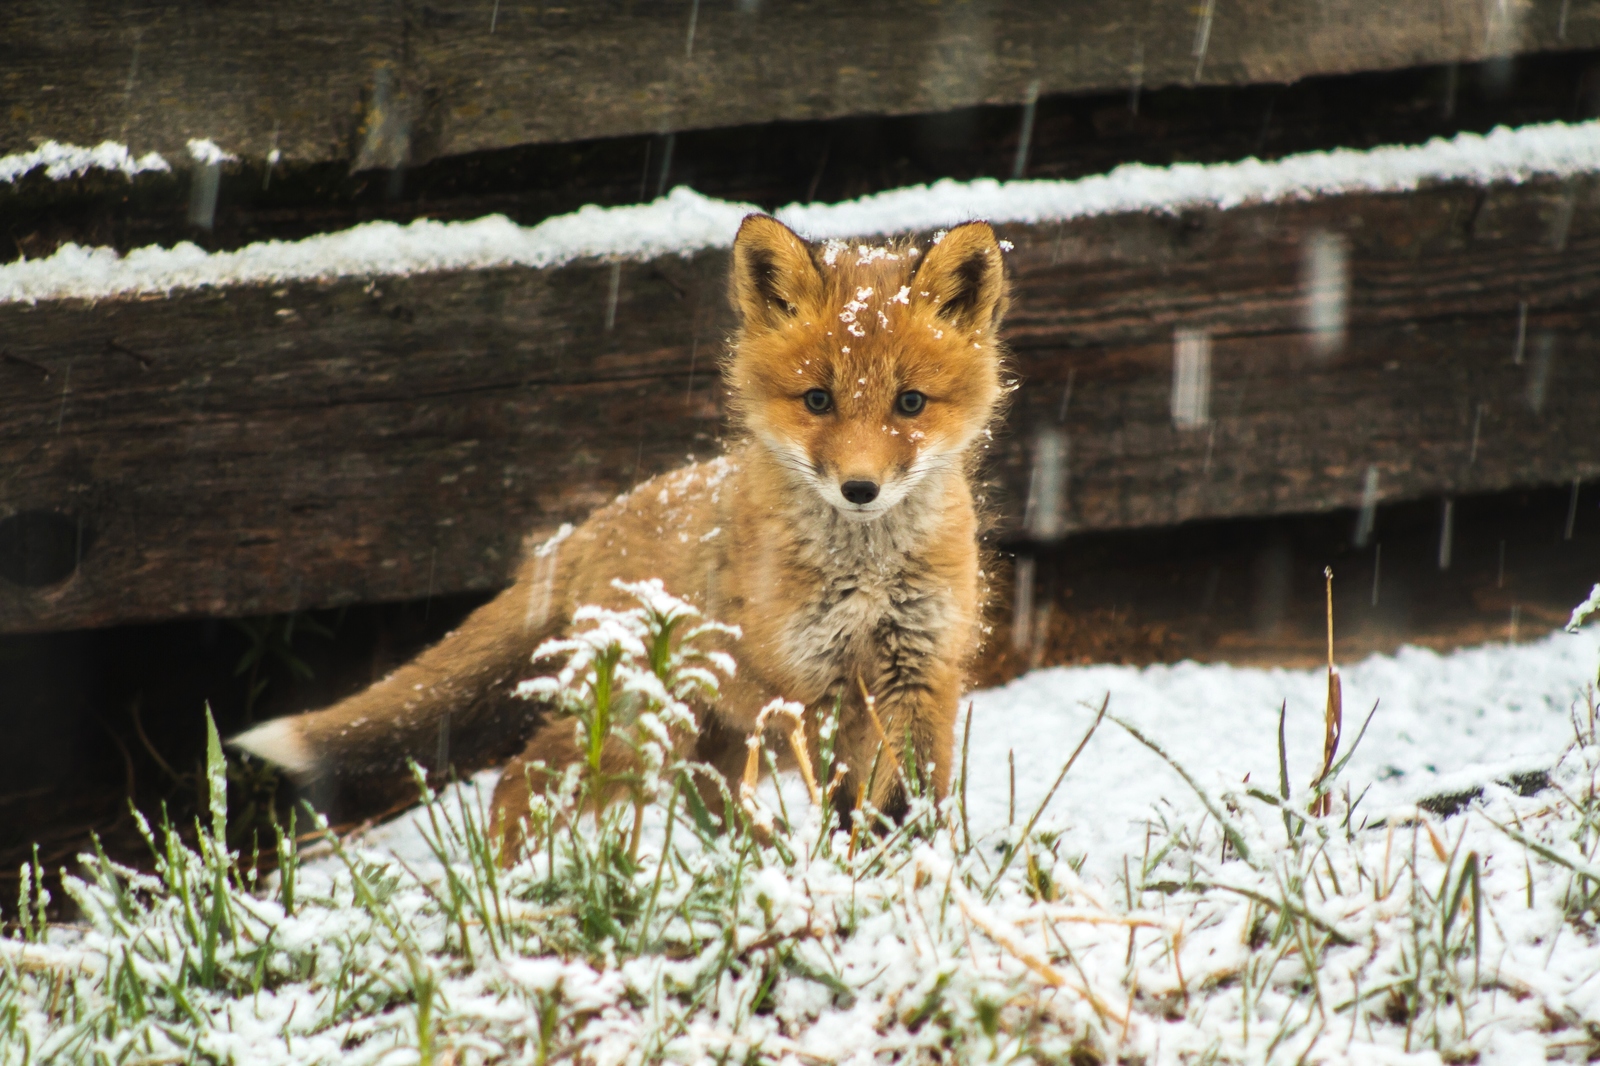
point(823, 161)
point(264, 449)
point(384, 84)
point(1469, 362)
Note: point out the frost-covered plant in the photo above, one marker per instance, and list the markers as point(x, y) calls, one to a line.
point(627, 679)
point(630, 676)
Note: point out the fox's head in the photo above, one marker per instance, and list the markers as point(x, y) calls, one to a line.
point(865, 370)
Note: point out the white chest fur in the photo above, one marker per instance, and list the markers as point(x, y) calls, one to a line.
point(876, 609)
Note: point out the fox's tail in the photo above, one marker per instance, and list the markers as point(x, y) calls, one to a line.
point(454, 704)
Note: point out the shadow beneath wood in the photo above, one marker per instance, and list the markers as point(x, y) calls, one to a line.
point(96, 718)
point(1250, 591)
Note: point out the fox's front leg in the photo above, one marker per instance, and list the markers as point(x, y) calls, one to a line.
point(913, 715)
point(554, 747)
point(557, 745)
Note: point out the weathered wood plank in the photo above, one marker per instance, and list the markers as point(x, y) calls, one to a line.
point(822, 161)
point(1431, 386)
point(262, 449)
point(382, 84)
point(345, 441)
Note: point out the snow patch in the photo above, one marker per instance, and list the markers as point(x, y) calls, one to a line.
point(62, 161)
point(682, 223)
point(1445, 723)
point(206, 152)
point(1554, 149)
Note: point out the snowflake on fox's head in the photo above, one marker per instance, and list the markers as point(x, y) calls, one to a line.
point(852, 309)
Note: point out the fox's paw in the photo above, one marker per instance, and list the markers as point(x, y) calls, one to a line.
point(893, 807)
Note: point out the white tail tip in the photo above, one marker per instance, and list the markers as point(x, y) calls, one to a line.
point(279, 742)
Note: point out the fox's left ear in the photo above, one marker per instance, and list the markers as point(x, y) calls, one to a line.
point(963, 279)
point(773, 273)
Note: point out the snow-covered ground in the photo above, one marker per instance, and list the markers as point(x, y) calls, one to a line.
point(684, 222)
point(1445, 724)
point(1423, 941)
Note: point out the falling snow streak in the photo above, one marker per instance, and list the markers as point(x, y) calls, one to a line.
point(1572, 509)
point(205, 179)
point(1045, 516)
point(1025, 138)
point(133, 63)
point(66, 390)
point(541, 591)
point(1447, 523)
point(1202, 36)
point(1023, 578)
point(1544, 353)
point(1561, 224)
point(1502, 28)
point(694, 19)
point(1066, 395)
point(273, 158)
point(1367, 519)
point(614, 287)
point(1136, 77)
point(1191, 378)
point(668, 142)
point(1325, 281)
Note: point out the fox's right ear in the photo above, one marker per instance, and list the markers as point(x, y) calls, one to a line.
point(773, 273)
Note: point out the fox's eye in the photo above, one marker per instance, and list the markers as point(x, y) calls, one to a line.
point(818, 401)
point(911, 403)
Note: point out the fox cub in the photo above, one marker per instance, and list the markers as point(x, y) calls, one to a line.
point(840, 534)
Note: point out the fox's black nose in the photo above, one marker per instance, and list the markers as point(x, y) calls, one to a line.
point(859, 492)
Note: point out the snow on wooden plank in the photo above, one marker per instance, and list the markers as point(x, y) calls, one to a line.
point(383, 85)
point(686, 222)
point(261, 447)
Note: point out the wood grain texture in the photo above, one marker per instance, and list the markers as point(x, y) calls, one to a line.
point(394, 82)
point(1430, 385)
point(263, 449)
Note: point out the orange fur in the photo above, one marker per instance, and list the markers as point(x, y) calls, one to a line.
point(837, 600)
